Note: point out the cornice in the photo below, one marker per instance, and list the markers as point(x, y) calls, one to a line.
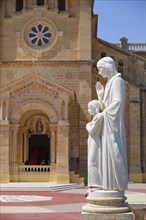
point(75, 63)
point(114, 47)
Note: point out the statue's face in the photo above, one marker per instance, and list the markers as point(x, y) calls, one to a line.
point(103, 72)
point(91, 110)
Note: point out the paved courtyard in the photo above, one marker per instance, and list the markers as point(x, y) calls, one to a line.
point(41, 201)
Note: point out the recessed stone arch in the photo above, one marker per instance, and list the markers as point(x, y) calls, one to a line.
point(49, 110)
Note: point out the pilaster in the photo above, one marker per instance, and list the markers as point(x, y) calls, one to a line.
point(135, 163)
point(84, 30)
point(62, 152)
point(4, 153)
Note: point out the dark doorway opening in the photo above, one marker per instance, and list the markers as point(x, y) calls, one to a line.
point(61, 5)
point(19, 5)
point(39, 150)
point(40, 2)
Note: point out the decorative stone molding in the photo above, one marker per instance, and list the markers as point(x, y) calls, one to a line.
point(74, 63)
point(33, 80)
point(20, 110)
point(36, 92)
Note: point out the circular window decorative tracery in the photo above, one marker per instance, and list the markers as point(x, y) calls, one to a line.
point(40, 34)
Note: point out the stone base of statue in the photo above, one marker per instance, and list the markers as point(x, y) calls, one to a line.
point(106, 205)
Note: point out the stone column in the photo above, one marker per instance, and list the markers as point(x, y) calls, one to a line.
point(56, 4)
point(25, 145)
point(53, 147)
point(53, 173)
point(14, 144)
point(45, 2)
point(66, 5)
point(66, 109)
point(4, 111)
point(1, 110)
point(7, 111)
point(14, 165)
point(24, 4)
point(53, 129)
point(21, 157)
point(14, 6)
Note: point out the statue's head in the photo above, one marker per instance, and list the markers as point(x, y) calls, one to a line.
point(106, 67)
point(93, 107)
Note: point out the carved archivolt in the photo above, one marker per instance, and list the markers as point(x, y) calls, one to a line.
point(49, 110)
point(32, 91)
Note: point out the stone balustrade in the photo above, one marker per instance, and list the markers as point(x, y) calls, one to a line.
point(34, 168)
point(137, 47)
point(134, 47)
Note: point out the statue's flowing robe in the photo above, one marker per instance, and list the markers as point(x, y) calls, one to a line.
point(95, 152)
point(114, 160)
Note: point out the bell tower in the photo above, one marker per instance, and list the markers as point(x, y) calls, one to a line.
point(46, 29)
point(84, 30)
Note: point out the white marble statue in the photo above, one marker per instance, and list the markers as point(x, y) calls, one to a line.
point(94, 146)
point(112, 173)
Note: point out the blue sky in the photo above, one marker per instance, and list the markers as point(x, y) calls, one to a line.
point(121, 18)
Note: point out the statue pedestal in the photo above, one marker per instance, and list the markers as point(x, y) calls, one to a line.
point(105, 205)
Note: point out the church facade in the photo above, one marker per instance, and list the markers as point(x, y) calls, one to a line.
point(49, 51)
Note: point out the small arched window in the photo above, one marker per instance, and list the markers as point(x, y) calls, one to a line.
point(113, 58)
point(103, 54)
point(63, 110)
point(61, 5)
point(19, 5)
point(40, 2)
point(120, 66)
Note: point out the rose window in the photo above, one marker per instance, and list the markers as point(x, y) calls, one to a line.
point(40, 35)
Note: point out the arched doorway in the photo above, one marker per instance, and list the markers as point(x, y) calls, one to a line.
point(34, 138)
point(39, 150)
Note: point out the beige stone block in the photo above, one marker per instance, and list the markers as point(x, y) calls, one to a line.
point(4, 178)
point(114, 216)
point(63, 178)
point(4, 168)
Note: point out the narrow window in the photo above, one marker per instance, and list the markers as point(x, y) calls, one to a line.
point(40, 2)
point(61, 5)
point(113, 58)
point(120, 66)
point(19, 5)
point(103, 54)
point(63, 110)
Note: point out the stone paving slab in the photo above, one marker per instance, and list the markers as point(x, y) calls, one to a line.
point(62, 205)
